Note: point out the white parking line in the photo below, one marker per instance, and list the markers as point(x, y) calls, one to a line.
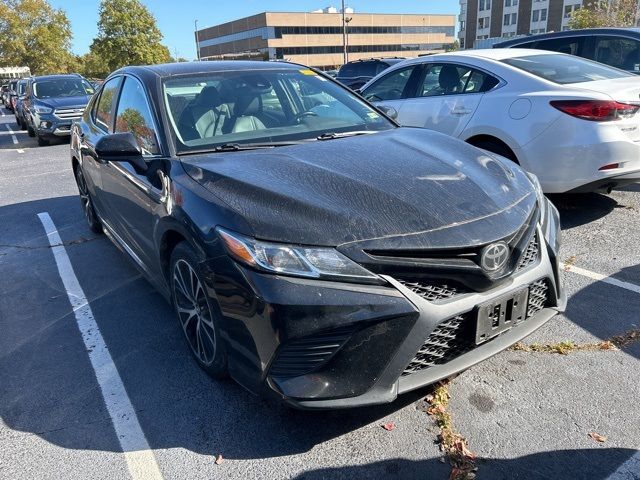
point(602, 278)
point(13, 135)
point(140, 459)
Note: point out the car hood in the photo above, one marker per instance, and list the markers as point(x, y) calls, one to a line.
point(402, 188)
point(79, 101)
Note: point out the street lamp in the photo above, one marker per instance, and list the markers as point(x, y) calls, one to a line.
point(197, 40)
point(344, 36)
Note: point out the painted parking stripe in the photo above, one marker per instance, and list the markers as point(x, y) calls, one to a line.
point(13, 135)
point(602, 278)
point(140, 459)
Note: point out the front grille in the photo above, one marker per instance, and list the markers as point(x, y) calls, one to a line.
point(530, 255)
point(456, 336)
point(431, 291)
point(538, 297)
point(69, 113)
point(304, 355)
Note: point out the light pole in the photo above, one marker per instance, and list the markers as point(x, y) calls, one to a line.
point(344, 36)
point(197, 41)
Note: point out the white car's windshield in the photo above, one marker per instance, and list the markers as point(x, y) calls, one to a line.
point(565, 69)
point(61, 88)
point(269, 106)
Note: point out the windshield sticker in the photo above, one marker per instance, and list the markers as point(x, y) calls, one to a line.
point(373, 115)
point(307, 71)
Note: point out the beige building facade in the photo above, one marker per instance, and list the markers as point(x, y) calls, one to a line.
point(316, 39)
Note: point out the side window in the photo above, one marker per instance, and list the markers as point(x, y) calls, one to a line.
point(618, 52)
point(450, 79)
point(560, 45)
point(103, 113)
point(391, 86)
point(134, 115)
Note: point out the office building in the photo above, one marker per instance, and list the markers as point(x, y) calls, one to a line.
point(316, 38)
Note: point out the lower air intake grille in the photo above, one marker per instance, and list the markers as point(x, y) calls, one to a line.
point(304, 355)
point(455, 336)
point(432, 292)
point(530, 255)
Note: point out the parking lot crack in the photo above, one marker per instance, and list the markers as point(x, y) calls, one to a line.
point(69, 243)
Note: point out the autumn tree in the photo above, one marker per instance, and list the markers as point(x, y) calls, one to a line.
point(605, 13)
point(127, 35)
point(34, 34)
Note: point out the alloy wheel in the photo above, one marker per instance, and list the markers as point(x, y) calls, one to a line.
point(85, 199)
point(194, 312)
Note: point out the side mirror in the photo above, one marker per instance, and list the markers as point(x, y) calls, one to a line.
point(121, 147)
point(388, 111)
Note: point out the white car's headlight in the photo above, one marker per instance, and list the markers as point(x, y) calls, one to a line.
point(300, 261)
point(42, 109)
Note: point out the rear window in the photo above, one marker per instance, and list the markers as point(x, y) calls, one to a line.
point(362, 69)
point(565, 69)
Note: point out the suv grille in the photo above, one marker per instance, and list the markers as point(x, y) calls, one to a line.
point(304, 355)
point(530, 255)
point(432, 292)
point(69, 113)
point(455, 336)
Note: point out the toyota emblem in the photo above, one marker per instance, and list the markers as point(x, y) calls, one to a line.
point(494, 257)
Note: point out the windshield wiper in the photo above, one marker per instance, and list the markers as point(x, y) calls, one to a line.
point(332, 135)
point(235, 147)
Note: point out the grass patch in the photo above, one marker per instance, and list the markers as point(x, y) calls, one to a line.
point(566, 347)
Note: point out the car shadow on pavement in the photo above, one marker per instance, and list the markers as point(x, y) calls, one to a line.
point(578, 209)
point(48, 388)
point(592, 464)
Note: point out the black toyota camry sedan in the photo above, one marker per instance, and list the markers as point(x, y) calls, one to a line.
point(312, 249)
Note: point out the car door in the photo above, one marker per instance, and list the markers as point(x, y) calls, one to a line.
point(97, 122)
point(447, 96)
point(391, 89)
point(134, 197)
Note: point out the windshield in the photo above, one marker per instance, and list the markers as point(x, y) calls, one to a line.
point(269, 106)
point(64, 87)
point(22, 86)
point(565, 69)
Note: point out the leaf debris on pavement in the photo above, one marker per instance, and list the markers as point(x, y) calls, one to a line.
point(389, 426)
point(597, 437)
point(219, 459)
point(565, 347)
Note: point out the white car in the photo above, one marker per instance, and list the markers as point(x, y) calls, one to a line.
point(573, 122)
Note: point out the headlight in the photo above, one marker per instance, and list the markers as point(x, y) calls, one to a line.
point(42, 109)
point(311, 262)
point(549, 216)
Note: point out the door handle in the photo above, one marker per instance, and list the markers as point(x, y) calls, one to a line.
point(460, 111)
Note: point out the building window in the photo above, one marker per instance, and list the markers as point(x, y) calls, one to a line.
point(510, 3)
point(569, 9)
point(483, 22)
point(462, 24)
point(543, 15)
point(535, 16)
point(484, 5)
point(510, 19)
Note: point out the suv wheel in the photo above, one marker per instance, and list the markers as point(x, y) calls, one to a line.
point(199, 321)
point(30, 131)
point(87, 203)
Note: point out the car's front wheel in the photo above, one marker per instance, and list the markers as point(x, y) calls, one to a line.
point(87, 203)
point(31, 131)
point(199, 321)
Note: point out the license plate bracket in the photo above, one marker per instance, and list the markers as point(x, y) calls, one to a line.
point(499, 315)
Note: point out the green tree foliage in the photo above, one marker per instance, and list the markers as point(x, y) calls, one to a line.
point(34, 34)
point(605, 13)
point(127, 35)
point(452, 47)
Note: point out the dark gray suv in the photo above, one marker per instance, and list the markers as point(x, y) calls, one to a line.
point(618, 47)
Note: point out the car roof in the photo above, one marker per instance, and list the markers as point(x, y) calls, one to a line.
point(487, 53)
point(187, 68)
point(627, 32)
point(57, 76)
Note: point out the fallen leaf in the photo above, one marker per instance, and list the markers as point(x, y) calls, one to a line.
point(389, 426)
point(597, 437)
point(428, 398)
point(219, 459)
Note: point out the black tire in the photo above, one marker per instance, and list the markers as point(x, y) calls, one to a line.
point(87, 204)
point(23, 124)
point(30, 131)
point(43, 142)
point(197, 314)
point(496, 147)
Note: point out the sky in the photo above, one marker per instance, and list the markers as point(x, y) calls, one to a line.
point(176, 17)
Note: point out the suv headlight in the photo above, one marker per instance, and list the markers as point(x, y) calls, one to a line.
point(41, 109)
point(295, 260)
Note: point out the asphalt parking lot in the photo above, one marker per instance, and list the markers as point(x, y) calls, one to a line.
point(525, 414)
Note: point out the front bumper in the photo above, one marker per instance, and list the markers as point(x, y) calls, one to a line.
point(361, 338)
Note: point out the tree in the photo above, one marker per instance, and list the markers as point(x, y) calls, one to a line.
point(605, 13)
point(127, 35)
point(34, 34)
point(452, 47)
point(92, 66)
